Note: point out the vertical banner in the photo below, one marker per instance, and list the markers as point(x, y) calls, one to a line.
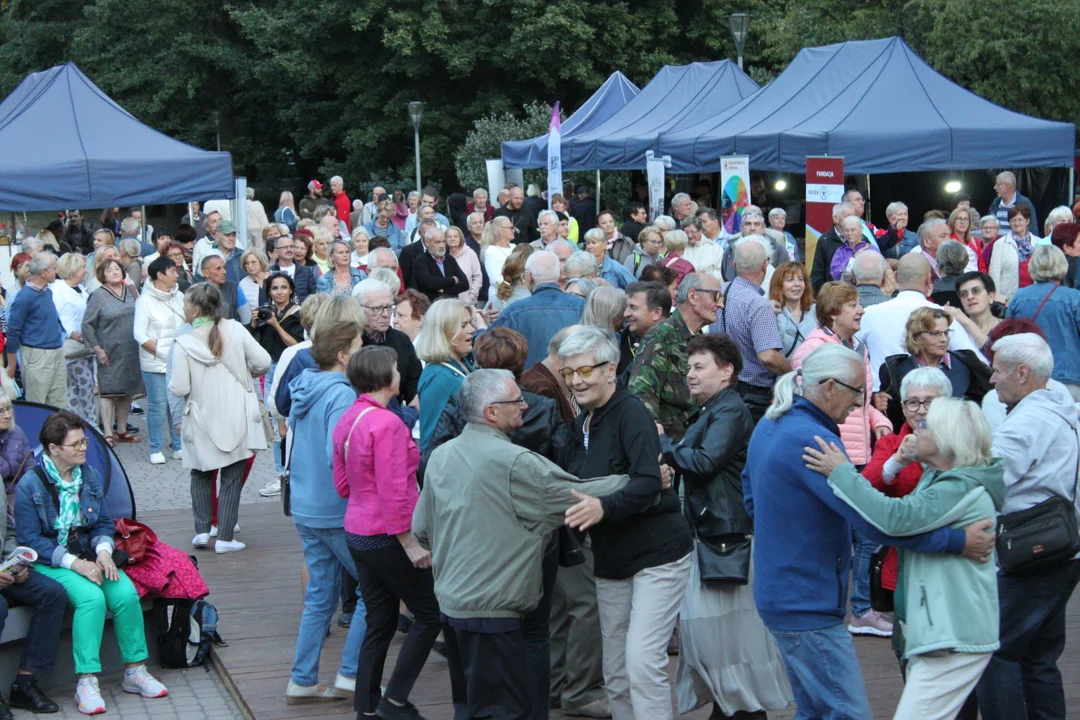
point(735, 191)
point(824, 188)
point(496, 179)
point(554, 158)
point(654, 170)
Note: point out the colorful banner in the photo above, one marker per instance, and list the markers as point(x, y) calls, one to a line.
point(654, 170)
point(824, 188)
point(554, 158)
point(735, 191)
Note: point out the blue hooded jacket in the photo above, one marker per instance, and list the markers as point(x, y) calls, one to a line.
point(318, 401)
point(802, 531)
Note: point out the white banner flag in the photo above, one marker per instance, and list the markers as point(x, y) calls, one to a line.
point(654, 168)
point(554, 158)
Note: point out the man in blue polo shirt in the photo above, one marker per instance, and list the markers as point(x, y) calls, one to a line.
point(34, 331)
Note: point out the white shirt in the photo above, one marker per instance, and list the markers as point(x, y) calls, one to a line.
point(203, 246)
point(884, 327)
point(70, 306)
point(494, 258)
point(706, 257)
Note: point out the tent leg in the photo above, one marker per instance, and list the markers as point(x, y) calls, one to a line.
point(142, 230)
point(1072, 187)
point(868, 197)
point(598, 196)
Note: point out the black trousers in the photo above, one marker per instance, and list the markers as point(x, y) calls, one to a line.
point(757, 399)
point(493, 670)
point(387, 577)
point(49, 601)
point(535, 629)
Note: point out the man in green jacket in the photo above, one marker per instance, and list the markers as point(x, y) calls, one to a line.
point(485, 509)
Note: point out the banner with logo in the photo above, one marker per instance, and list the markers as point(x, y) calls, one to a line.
point(554, 158)
point(734, 191)
point(824, 188)
point(654, 170)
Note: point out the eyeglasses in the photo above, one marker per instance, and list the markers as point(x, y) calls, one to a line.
point(379, 310)
point(584, 372)
point(7, 411)
point(858, 391)
point(78, 444)
point(519, 401)
point(715, 293)
point(936, 334)
point(914, 405)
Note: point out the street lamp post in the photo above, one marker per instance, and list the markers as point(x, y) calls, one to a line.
point(740, 29)
point(416, 111)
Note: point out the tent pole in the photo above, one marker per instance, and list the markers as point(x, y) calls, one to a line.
point(599, 199)
point(868, 195)
point(142, 230)
point(1072, 187)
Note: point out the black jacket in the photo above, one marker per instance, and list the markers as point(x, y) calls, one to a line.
point(896, 367)
point(584, 211)
point(643, 525)
point(303, 279)
point(408, 364)
point(524, 222)
point(406, 258)
point(429, 280)
point(827, 245)
point(710, 460)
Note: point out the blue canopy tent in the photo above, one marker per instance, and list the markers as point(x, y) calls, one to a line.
point(119, 498)
point(877, 104)
point(67, 144)
point(679, 95)
point(612, 96)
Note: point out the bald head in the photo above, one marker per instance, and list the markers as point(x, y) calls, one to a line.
point(869, 268)
point(914, 273)
point(750, 259)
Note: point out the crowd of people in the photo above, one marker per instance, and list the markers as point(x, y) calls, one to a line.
point(679, 439)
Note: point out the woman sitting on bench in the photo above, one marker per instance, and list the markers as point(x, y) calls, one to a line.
point(60, 512)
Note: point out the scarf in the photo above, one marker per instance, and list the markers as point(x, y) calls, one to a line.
point(1024, 246)
point(69, 497)
point(200, 321)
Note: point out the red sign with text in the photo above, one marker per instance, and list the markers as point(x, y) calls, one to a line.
point(824, 188)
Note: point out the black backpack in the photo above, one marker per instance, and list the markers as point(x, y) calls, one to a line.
point(187, 630)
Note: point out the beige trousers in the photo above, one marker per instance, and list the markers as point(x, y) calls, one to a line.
point(44, 376)
point(938, 683)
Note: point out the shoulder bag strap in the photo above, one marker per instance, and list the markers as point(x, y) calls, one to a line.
point(1036, 316)
point(725, 304)
point(348, 437)
point(49, 487)
point(454, 369)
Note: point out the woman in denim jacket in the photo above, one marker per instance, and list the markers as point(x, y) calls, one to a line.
point(60, 512)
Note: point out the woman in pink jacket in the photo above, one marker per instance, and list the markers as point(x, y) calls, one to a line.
point(375, 462)
point(839, 314)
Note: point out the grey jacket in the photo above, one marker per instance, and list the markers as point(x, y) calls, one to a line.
point(491, 567)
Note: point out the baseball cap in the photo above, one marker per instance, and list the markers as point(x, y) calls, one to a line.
point(315, 185)
point(227, 227)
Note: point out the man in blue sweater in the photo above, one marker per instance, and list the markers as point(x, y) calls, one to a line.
point(35, 332)
point(802, 534)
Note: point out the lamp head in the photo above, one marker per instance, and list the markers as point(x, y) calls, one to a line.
point(416, 111)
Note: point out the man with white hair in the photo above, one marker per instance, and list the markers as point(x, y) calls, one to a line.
point(522, 218)
point(898, 216)
point(1039, 446)
point(828, 244)
point(932, 233)
point(563, 249)
point(480, 204)
point(547, 311)
point(802, 598)
point(882, 239)
point(435, 272)
point(579, 264)
point(488, 574)
point(1007, 196)
point(753, 227)
point(369, 209)
point(548, 223)
point(34, 329)
point(356, 217)
point(748, 318)
point(132, 228)
point(870, 272)
point(378, 306)
point(341, 202)
point(681, 206)
point(146, 231)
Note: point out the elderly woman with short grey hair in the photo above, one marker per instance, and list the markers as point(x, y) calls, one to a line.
point(130, 249)
point(778, 222)
point(897, 215)
point(641, 541)
point(953, 260)
point(1055, 309)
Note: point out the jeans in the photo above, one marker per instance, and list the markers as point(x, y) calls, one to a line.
point(48, 600)
point(860, 574)
point(275, 447)
point(157, 397)
point(1022, 679)
point(824, 673)
point(325, 554)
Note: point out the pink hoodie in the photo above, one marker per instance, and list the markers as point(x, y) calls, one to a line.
point(379, 474)
point(855, 432)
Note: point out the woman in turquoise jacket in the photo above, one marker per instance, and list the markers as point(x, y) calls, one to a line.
point(444, 344)
point(947, 605)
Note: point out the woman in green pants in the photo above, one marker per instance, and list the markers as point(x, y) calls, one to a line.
point(60, 512)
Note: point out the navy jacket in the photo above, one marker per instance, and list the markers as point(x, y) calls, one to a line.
point(303, 278)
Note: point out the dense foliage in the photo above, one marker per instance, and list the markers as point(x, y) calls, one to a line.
point(296, 90)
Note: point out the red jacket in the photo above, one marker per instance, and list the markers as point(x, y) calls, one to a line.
point(903, 484)
point(344, 207)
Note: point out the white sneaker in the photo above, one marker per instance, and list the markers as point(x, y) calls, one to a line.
point(213, 530)
point(201, 540)
point(271, 488)
point(139, 681)
point(344, 687)
point(157, 458)
point(228, 546)
point(178, 455)
point(89, 697)
point(301, 695)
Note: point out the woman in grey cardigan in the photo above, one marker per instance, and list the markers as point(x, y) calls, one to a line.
point(108, 328)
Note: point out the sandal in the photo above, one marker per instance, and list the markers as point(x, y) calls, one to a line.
point(126, 437)
point(110, 441)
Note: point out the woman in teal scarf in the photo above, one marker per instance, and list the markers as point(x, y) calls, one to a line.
point(60, 512)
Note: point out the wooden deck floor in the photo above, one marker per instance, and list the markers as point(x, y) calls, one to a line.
point(257, 593)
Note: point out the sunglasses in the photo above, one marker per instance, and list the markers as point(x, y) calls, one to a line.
point(585, 371)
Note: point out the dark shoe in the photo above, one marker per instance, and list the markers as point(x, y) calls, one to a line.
point(389, 711)
point(137, 410)
point(344, 620)
point(26, 695)
point(673, 643)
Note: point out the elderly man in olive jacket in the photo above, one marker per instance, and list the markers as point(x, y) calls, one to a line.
point(484, 511)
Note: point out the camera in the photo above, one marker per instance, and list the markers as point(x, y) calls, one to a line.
point(265, 312)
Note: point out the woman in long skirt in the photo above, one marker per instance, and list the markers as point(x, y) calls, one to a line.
point(70, 300)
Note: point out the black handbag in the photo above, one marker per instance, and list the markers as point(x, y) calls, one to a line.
point(725, 559)
point(570, 552)
point(1041, 536)
point(881, 598)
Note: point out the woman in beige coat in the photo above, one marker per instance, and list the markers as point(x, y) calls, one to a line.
point(212, 370)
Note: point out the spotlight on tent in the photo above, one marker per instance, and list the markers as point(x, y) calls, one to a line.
point(780, 185)
point(953, 186)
